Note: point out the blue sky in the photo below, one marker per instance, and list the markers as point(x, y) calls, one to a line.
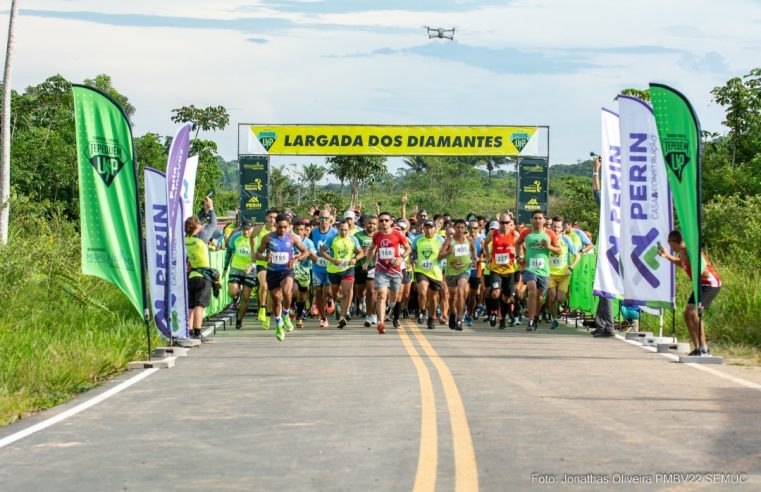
point(523, 62)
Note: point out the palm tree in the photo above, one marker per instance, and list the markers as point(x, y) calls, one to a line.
point(280, 187)
point(311, 175)
point(5, 152)
point(417, 163)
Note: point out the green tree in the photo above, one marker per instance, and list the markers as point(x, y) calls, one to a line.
point(311, 174)
point(206, 119)
point(356, 170)
point(643, 94)
point(103, 83)
point(741, 96)
point(281, 187)
point(416, 163)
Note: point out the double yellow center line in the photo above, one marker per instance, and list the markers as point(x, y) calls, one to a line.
point(466, 471)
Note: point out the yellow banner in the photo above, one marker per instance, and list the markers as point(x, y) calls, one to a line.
point(392, 140)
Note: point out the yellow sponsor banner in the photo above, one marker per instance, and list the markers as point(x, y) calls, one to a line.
point(392, 140)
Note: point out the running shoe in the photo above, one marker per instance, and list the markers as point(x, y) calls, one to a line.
point(324, 323)
point(381, 328)
point(452, 321)
point(300, 323)
point(330, 306)
point(262, 314)
point(337, 311)
point(493, 319)
point(279, 333)
point(266, 323)
point(314, 311)
point(238, 324)
point(431, 324)
point(458, 326)
point(502, 323)
point(704, 352)
point(468, 321)
point(374, 319)
point(519, 320)
point(341, 323)
point(480, 310)
point(421, 317)
point(531, 326)
point(348, 317)
point(367, 322)
point(288, 324)
point(554, 324)
point(694, 352)
point(396, 323)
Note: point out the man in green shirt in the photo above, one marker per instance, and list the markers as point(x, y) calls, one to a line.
point(538, 243)
point(364, 279)
point(428, 275)
point(342, 252)
point(241, 280)
point(460, 253)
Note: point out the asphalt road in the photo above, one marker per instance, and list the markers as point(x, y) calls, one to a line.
point(414, 409)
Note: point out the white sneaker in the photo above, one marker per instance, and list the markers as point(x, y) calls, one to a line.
point(375, 319)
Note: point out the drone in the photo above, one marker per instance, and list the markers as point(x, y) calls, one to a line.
point(440, 32)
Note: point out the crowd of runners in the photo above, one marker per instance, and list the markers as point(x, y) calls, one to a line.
point(335, 266)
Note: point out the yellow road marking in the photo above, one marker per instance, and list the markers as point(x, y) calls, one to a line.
point(466, 470)
point(425, 478)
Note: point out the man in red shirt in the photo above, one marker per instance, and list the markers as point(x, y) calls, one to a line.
point(389, 250)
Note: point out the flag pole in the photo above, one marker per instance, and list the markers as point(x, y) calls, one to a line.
point(143, 258)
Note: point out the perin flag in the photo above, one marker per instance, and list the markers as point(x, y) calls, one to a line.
point(679, 131)
point(111, 245)
point(608, 280)
point(646, 218)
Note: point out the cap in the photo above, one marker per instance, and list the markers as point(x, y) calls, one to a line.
point(349, 215)
point(429, 223)
point(402, 224)
point(470, 217)
point(493, 224)
point(247, 224)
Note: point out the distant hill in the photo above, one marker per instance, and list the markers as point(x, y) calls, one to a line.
point(583, 168)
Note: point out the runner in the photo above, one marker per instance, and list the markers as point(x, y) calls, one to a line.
point(390, 249)
point(280, 258)
point(403, 297)
point(364, 281)
point(580, 240)
point(476, 272)
point(460, 253)
point(320, 236)
point(428, 277)
point(501, 244)
point(538, 242)
point(238, 254)
point(342, 252)
point(710, 285)
point(303, 272)
point(265, 303)
point(350, 219)
point(561, 266)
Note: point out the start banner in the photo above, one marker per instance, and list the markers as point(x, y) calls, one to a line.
point(394, 140)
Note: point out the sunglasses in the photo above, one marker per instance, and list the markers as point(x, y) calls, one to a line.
point(323, 219)
point(505, 223)
point(385, 220)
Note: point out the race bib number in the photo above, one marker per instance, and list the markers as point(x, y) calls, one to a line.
point(556, 261)
point(386, 253)
point(280, 258)
point(245, 252)
point(426, 264)
point(322, 262)
point(343, 264)
point(502, 258)
point(461, 250)
point(536, 263)
point(371, 273)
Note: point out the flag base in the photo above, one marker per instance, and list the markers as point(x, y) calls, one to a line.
point(700, 359)
point(673, 348)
